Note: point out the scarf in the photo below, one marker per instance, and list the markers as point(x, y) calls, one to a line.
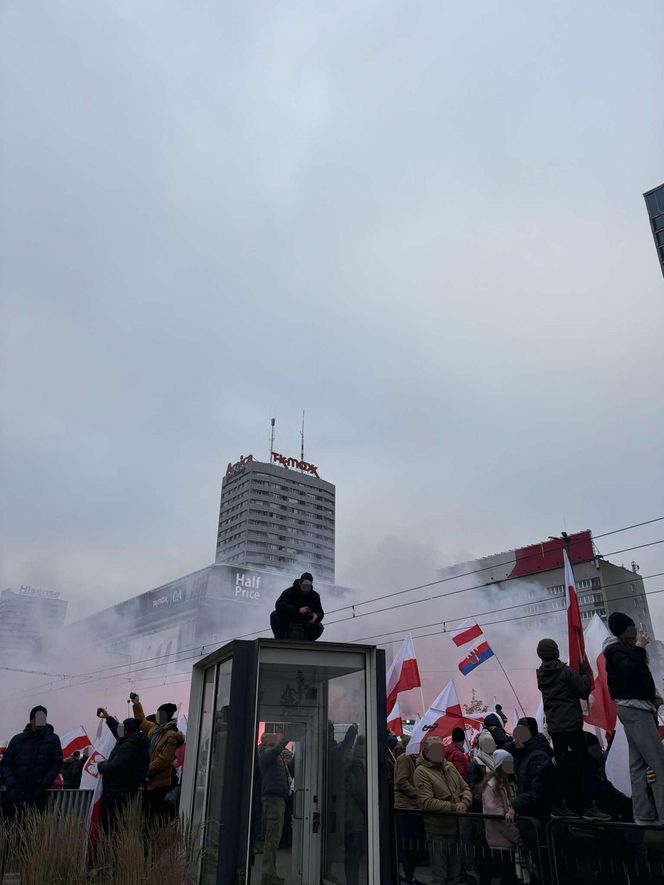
point(157, 733)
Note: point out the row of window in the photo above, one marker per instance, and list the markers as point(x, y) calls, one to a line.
point(583, 584)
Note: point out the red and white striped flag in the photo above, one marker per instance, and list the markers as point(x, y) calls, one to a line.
point(76, 739)
point(394, 720)
point(91, 780)
point(442, 717)
point(480, 650)
point(403, 673)
point(603, 712)
point(577, 646)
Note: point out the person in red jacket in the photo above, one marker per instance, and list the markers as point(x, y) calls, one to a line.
point(456, 754)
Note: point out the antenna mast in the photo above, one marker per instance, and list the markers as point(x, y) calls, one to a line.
point(272, 423)
point(302, 438)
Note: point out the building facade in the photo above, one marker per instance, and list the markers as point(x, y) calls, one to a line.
point(655, 206)
point(278, 517)
point(534, 576)
point(25, 615)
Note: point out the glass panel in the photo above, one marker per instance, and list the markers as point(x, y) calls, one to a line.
point(216, 780)
point(203, 749)
point(310, 780)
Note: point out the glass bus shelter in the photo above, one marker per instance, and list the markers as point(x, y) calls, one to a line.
point(325, 704)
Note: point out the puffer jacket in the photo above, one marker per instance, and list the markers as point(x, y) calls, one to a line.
point(531, 799)
point(126, 768)
point(458, 758)
point(499, 833)
point(275, 776)
point(627, 672)
point(440, 788)
point(31, 763)
point(562, 690)
point(405, 794)
point(161, 769)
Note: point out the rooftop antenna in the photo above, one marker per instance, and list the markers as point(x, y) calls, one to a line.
point(272, 423)
point(302, 438)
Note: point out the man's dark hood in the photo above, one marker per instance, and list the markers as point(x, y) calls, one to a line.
point(548, 674)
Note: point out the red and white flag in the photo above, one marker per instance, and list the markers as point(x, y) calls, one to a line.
point(76, 739)
point(394, 720)
point(602, 706)
point(577, 647)
point(91, 780)
point(442, 717)
point(403, 673)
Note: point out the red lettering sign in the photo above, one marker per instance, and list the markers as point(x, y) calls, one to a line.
point(295, 464)
point(238, 467)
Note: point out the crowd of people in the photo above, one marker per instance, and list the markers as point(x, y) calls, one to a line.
point(143, 761)
point(529, 774)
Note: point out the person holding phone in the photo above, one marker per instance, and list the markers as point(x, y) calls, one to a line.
point(298, 612)
point(31, 763)
point(164, 742)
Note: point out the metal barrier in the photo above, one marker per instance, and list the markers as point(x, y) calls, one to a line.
point(76, 802)
point(434, 846)
point(611, 853)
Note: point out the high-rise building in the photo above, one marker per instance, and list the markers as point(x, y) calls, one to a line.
point(655, 205)
point(534, 576)
point(278, 517)
point(25, 615)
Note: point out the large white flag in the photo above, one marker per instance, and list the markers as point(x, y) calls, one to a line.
point(442, 717)
point(91, 780)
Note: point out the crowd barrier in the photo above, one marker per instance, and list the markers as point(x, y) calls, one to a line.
point(567, 852)
point(76, 802)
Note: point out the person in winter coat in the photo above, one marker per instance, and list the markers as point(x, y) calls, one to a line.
point(355, 819)
point(632, 687)
point(615, 804)
point(440, 788)
point(562, 690)
point(164, 739)
point(275, 790)
point(30, 764)
point(532, 756)
point(455, 753)
point(298, 612)
point(502, 836)
point(494, 725)
point(481, 764)
point(410, 832)
point(125, 770)
point(72, 769)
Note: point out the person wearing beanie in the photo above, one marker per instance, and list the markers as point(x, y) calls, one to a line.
point(632, 687)
point(30, 764)
point(562, 690)
point(455, 753)
point(502, 836)
point(164, 741)
point(298, 613)
point(125, 770)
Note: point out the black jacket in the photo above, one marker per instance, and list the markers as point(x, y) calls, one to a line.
point(72, 769)
point(628, 674)
point(293, 599)
point(275, 776)
point(494, 724)
point(529, 761)
point(562, 690)
point(127, 767)
point(31, 763)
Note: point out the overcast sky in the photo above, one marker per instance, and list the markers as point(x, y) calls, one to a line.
point(421, 222)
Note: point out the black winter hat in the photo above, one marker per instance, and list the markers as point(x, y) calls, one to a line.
point(169, 709)
point(619, 622)
point(38, 709)
point(307, 576)
point(458, 734)
point(547, 650)
point(131, 725)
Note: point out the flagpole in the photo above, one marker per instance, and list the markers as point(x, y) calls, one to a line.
point(509, 681)
point(424, 709)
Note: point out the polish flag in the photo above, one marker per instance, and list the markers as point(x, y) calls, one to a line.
point(602, 706)
point(577, 648)
point(91, 780)
point(76, 739)
point(394, 720)
point(403, 673)
point(478, 653)
point(467, 632)
point(442, 717)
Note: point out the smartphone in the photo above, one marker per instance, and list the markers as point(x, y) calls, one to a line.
point(100, 710)
point(132, 696)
